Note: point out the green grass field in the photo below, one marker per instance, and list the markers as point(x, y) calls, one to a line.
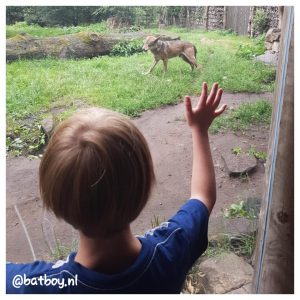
point(38, 31)
point(34, 87)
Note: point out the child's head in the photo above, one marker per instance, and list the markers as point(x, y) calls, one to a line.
point(96, 172)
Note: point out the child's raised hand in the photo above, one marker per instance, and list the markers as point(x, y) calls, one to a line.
point(201, 117)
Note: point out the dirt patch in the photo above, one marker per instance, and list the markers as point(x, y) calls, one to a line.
point(170, 142)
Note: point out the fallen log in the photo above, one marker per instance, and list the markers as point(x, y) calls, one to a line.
point(78, 45)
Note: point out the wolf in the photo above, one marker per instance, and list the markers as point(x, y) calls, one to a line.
point(164, 50)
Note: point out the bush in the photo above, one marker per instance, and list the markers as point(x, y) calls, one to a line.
point(250, 51)
point(260, 21)
point(133, 28)
point(127, 48)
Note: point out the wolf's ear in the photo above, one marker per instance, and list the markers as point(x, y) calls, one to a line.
point(156, 39)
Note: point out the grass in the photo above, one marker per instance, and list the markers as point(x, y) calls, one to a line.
point(244, 116)
point(157, 221)
point(261, 155)
point(35, 87)
point(61, 251)
point(239, 210)
point(38, 31)
point(240, 244)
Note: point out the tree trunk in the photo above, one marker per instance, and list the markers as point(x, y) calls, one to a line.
point(225, 17)
point(206, 17)
point(188, 20)
point(79, 45)
point(250, 23)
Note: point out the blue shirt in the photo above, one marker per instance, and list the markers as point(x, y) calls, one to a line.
point(167, 253)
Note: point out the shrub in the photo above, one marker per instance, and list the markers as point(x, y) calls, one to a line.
point(260, 21)
point(127, 48)
point(133, 28)
point(250, 51)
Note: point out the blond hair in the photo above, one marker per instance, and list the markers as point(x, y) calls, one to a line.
point(97, 172)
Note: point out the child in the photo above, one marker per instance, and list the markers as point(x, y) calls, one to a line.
point(97, 175)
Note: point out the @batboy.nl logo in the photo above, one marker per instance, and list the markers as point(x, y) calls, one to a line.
point(44, 280)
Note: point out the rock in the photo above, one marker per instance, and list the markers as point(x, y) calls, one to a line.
point(47, 126)
point(218, 275)
point(268, 45)
point(269, 58)
point(252, 205)
point(272, 39)
point(239, 165)
point(246, 289)
point(273, 34)
point(221, 226)
point(276, 47)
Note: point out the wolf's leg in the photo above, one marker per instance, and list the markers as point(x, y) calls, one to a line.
point(187, 59)
point(153, 65)
point(165, 61)
point(193, 63)
point(189, 56)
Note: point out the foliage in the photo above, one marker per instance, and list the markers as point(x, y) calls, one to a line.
point(38, 31)
point(236, 150)
point(61, 251)
point(249, 51)
point(127, 48)
point(155, 222)
point(225, 32)
point(242, 117)
point(241, 244)
point(132, 28)
point(260, 21)
point(145, 16)
point(239, 210)
point(236, 210)
point(59, 15)
point(125, 14)
point(261, 155)
point(75, 15)
point(14, 14)
point(26, 139)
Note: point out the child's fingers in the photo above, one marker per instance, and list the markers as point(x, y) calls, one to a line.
point(217, 100)
point(188, 105)
point(212, 94)
point(220, 110)
point(203, 97)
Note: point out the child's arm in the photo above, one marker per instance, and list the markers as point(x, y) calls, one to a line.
point(203, 184)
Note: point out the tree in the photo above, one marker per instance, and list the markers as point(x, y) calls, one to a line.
point(59, 15)
point(14, 14)
point(124, 14)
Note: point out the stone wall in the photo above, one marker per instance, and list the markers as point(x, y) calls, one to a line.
point(215, 17)
point(273, 15)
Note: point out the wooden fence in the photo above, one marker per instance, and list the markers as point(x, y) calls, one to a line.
point(237, 19)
